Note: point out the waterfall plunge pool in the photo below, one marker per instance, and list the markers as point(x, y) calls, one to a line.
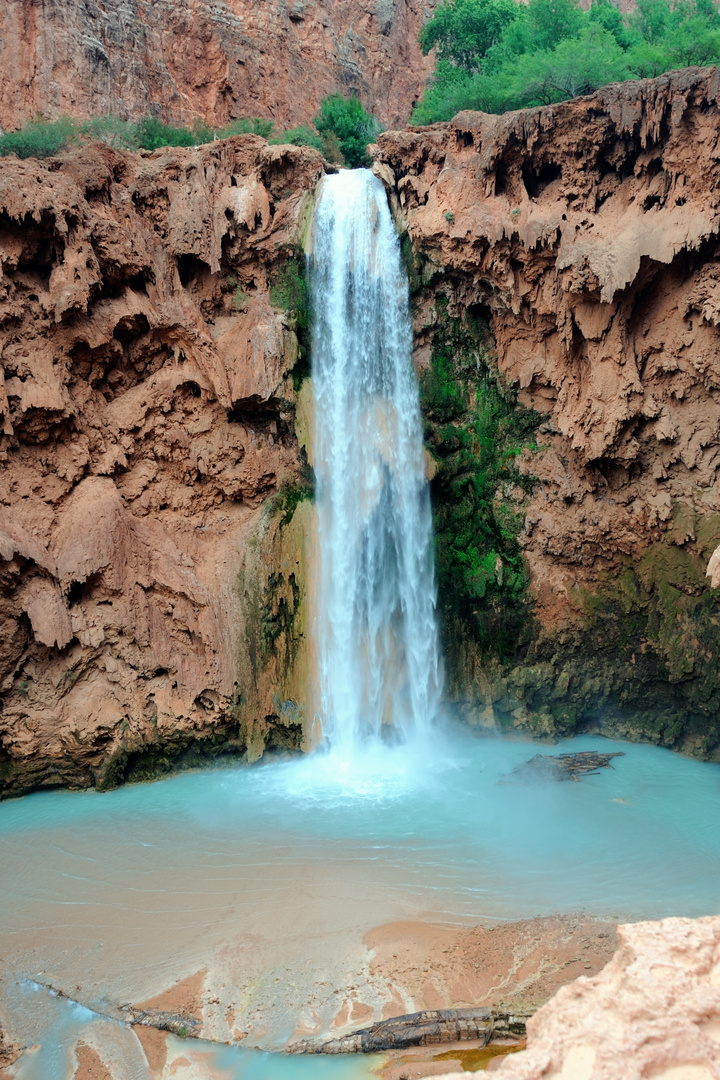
point(268, 877)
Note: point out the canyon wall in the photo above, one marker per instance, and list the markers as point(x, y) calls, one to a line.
point(151, 333)
point(573, 250)
point(156, 518)
point(193, 59)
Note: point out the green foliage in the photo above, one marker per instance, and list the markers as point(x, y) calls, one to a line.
point(152, 134)
point(289, 291)
point(300, 136)
point(289, 498)
point(40, 139)
point(239, 296)
point(350, 124)
point(111, 130)
point(551, 50)
point(475, 430)
point(343, 129)
point(462, 31)
point(245, 126)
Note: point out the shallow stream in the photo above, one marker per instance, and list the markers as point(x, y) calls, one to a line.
point(268, 878)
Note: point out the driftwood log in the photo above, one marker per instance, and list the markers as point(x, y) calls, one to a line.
point(427, 1028)
point(561, 766)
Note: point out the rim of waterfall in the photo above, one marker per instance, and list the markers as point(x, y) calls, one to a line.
point(375, 628)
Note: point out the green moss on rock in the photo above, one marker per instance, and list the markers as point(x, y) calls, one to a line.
point(475, 430)
point(643, 665)
point(641, 662)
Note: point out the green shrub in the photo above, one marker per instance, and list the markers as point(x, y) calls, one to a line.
point(350, 124)
point(40, 138)
point(494, 59)
point(245, 126)
point(111, 130)
point(300, 136)
point(346, 130)
point(152, 134)
point(289, 291)
point(462, 32)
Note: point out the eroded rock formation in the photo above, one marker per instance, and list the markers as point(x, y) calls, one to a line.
point(654, 1011)
point(153, 515)
point(146, 403)
point(193, 59)
point(586, 235)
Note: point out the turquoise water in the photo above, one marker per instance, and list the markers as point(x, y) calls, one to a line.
point(63, 1023)
point(122, 893)
point(641, 838)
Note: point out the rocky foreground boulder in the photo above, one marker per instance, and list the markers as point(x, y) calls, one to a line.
point(653, 1012)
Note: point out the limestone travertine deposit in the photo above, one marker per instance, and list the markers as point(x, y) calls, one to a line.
point(653, 1012)
point(586, 235)
point(154, 508)
point(146, 403)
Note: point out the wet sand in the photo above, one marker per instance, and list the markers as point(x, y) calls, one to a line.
point(421, 965)
point(519, 963)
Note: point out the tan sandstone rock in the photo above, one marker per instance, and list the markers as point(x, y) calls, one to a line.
point(652, 1014)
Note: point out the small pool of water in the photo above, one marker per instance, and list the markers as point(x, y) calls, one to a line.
point(63, 1024)
point(280, 869)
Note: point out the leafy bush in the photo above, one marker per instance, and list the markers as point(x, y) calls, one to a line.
point(300, 136)
point(346, 119)
point(245, 126)
point(152, 134)
point(494, 56)
point(462, 33)
point(40, 139)
point(343, 129)
point(289, 291)
point(111, 130)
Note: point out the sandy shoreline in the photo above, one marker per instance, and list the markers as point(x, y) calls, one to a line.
point(420, 965)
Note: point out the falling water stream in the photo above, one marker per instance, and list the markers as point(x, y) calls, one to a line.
point(377, 638)
point(267, 877)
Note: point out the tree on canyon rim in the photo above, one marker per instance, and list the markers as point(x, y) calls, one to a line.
point(497, 55)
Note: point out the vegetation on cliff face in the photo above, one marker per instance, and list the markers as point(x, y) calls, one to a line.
point(345, 121)
point(342, 129)
point(640, 658)
point(45, 138)
point(496, 55)
point(476, 430)
point(643, 662)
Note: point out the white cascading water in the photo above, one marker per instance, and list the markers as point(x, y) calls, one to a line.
point(376, 630)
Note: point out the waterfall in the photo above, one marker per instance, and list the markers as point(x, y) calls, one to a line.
point(376, 632)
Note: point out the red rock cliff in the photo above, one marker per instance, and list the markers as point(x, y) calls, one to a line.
point(146, 414)
point(194, 59)
point(151, 593)
point(587, 233)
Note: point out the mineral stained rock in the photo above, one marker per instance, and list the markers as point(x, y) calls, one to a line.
point(146, 407)
point(153, 513)
point(589, 232)
point(586, 235)
point(196, 59)
point(653, 1012)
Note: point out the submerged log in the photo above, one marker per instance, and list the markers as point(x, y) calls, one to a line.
point(562, 766)
point(427, 1028)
